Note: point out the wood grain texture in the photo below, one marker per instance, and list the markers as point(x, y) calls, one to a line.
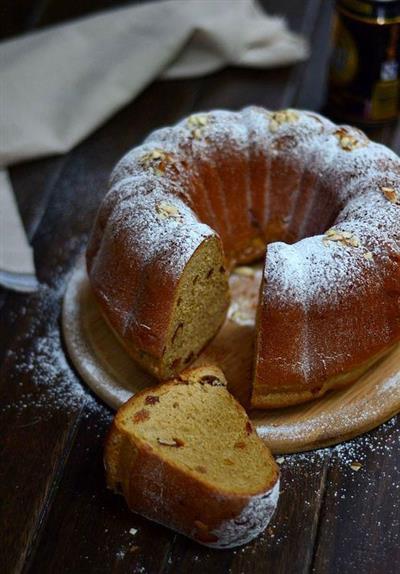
point(56, 515)
point(360, 520)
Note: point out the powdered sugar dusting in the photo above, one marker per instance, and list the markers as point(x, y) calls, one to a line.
point(253, 520)
point(154, 234)
point(355, 175)
point(326, 172)
point(318, 274)
point(148, 231)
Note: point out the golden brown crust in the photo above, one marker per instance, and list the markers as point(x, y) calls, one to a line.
point(140, 304)
point(264, 398)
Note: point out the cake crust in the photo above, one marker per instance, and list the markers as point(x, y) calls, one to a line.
point(321, 199)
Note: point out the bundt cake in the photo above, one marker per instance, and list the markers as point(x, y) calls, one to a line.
point(185, 455)
point(320, 202)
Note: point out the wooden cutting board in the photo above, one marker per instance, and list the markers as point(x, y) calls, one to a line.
point(338, 416)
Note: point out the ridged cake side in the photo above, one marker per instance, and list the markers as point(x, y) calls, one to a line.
point(227, 184)
point(330, 304)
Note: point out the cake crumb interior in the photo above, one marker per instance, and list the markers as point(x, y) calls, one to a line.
point(202, 429)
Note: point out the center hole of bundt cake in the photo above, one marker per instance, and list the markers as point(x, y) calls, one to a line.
point(202, 298)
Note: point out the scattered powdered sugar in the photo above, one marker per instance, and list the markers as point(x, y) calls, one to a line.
point(47, 368)
point(391, 384)
point(354, 484)
point(382, 442)
point(37, 360)
point(120, 554)
point(363, 477)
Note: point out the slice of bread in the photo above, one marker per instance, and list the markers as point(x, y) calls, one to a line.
point(185, 454)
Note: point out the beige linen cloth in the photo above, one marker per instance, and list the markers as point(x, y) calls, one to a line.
point(60, 84)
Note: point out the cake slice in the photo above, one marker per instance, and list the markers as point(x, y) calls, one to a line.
point(185, 455)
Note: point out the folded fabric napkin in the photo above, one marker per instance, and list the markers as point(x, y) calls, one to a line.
point(60, 84)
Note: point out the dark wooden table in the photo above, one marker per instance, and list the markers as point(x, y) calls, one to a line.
point(56, 515)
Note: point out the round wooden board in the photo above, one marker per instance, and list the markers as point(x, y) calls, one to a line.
point(340, 415)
